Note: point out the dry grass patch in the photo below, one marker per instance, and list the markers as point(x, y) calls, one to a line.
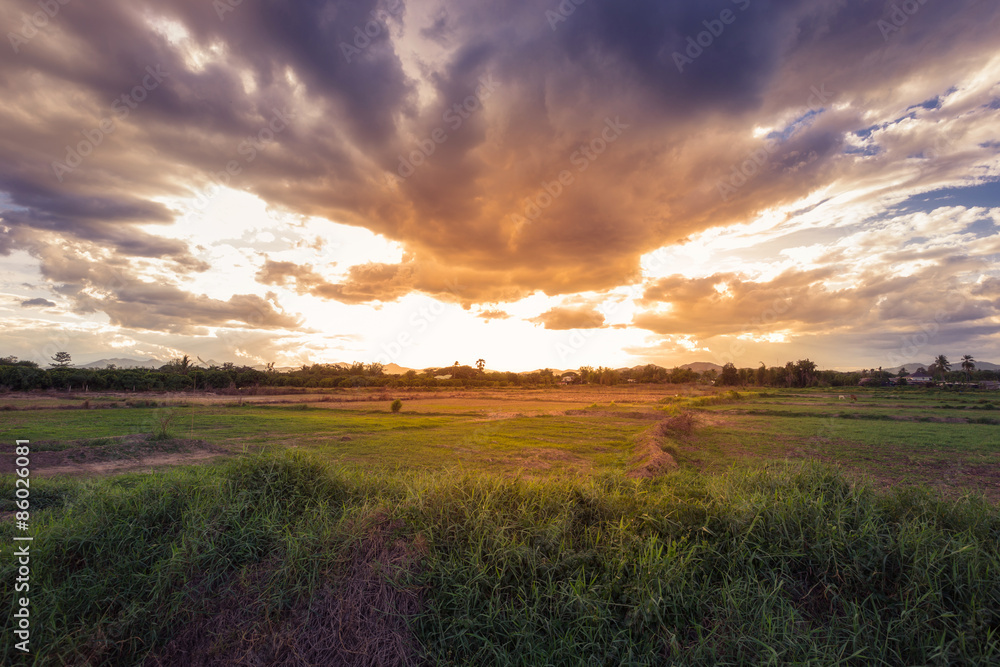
point(103, 456)
point(359, 618)
point(682, 424)
point(650, 459)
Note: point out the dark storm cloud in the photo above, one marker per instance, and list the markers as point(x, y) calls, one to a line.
point(350, 110)
point(123, 238)
point(112, 288)
point(64, 106)
point(154, 307)
point(37, 303)
point(802, 301)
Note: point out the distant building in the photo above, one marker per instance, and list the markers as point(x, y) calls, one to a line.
point(569, 377)
point(919, 379)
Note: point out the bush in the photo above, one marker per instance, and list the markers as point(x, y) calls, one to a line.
point(397, 405)
point(163, 421)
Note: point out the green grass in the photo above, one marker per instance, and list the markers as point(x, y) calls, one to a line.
point(532, 546)
point(894, 436)
point(771, 566)
point(479, 433)
point(366, 437)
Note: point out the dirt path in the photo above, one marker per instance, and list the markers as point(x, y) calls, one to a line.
point(142, 464)
point(127, 454)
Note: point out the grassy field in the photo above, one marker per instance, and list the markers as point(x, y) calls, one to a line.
point(510, 527)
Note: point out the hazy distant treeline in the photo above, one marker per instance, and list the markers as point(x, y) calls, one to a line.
point(181, 375)
point(805, 374)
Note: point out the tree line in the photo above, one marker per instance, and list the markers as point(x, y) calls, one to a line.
point(182, 375)
point(805, 374)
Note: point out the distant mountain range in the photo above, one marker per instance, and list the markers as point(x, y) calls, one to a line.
point(702, 366)
point(124, 363)
point(157, 363)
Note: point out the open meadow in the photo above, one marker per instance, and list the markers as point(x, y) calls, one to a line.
point(642, 524)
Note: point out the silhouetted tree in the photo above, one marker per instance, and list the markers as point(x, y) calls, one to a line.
point(806, 371)
point(943, 365)
point(968, 364)
point(62, 360)
point(730, 376)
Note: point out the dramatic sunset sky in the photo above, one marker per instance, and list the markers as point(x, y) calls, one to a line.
point(540, 184)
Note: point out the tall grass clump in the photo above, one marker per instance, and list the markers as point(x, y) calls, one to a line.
point(784, 564)
point(163, 420)
point(133, 558)
point(754, 567)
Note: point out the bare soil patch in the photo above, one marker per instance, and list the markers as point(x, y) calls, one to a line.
point(125, 454)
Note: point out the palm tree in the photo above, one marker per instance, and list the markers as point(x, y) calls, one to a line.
point(968, 364)
point(943, 365)
point(481, 364)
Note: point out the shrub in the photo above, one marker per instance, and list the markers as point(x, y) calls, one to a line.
point(397, 405)
point(163, 421)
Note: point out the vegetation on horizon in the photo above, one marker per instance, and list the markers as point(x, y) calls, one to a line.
point(181, 375)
